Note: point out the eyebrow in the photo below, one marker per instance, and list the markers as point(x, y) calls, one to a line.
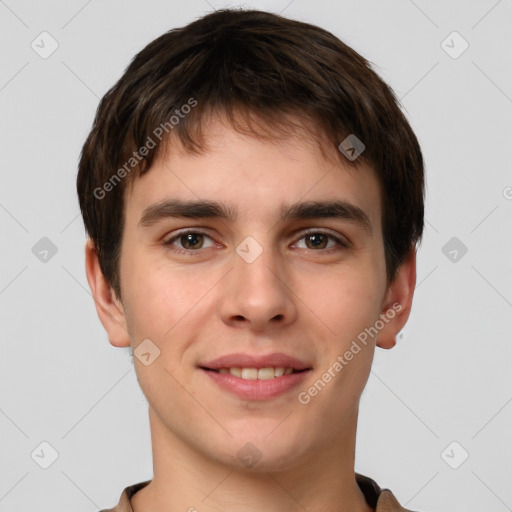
point(201, 209)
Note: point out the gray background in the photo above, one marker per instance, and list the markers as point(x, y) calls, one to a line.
point(447, 380)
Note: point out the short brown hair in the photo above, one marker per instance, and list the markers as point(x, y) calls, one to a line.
point(263, 65)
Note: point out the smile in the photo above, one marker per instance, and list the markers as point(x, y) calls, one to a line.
point(257, 373)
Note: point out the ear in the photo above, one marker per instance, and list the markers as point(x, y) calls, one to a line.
point(110, 310)
point(397, 302)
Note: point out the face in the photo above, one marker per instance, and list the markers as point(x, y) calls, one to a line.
point(267, 285)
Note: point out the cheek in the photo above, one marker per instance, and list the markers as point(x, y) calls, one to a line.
point(158, 296)
point(346, 301)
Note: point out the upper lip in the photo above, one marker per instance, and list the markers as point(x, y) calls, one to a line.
point(275, 360)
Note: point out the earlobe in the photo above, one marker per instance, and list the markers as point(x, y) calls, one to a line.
point(398, 302)
point(110, 310)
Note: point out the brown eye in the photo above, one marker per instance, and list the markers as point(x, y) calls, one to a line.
point(188, 242)
point(320, 240)
point(191, 240)
point(316, 240)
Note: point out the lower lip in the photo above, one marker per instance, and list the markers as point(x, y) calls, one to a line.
point(257, 389)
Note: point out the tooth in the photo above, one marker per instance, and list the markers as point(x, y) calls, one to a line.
point(279, 371)
point(265, 373)
point(236, 372)
point(249, 373)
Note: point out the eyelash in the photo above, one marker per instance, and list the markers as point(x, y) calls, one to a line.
point(190, 252)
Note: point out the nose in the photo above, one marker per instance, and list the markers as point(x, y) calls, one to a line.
point(258, 293)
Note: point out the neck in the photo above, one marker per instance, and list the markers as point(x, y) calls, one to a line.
point(185, 480)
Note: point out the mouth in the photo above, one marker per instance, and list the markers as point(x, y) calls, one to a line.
point(266, 373)
point(256, 377)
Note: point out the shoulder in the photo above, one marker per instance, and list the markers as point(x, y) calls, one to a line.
point(124, 504)
point(382, 500)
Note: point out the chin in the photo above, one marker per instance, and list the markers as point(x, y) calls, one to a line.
point(264, 450)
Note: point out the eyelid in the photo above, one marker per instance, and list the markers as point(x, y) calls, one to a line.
point(340, 239)
point(185, 231)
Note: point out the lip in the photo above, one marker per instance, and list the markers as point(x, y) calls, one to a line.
point(256, 389)
point(238, 360)
point(248, 389)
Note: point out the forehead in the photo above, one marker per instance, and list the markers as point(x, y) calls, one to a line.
point(255, 178)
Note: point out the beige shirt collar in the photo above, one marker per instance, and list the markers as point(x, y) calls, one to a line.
point(382, 500)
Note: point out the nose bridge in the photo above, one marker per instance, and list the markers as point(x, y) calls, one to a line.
point(257, 262)
point(257, 291)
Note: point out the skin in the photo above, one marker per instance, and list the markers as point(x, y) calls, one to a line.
point(306, 301)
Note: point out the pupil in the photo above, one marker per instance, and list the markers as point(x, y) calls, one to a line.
point(191, 239)
point(316, 236)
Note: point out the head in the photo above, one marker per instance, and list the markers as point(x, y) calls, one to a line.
point(242, 113)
